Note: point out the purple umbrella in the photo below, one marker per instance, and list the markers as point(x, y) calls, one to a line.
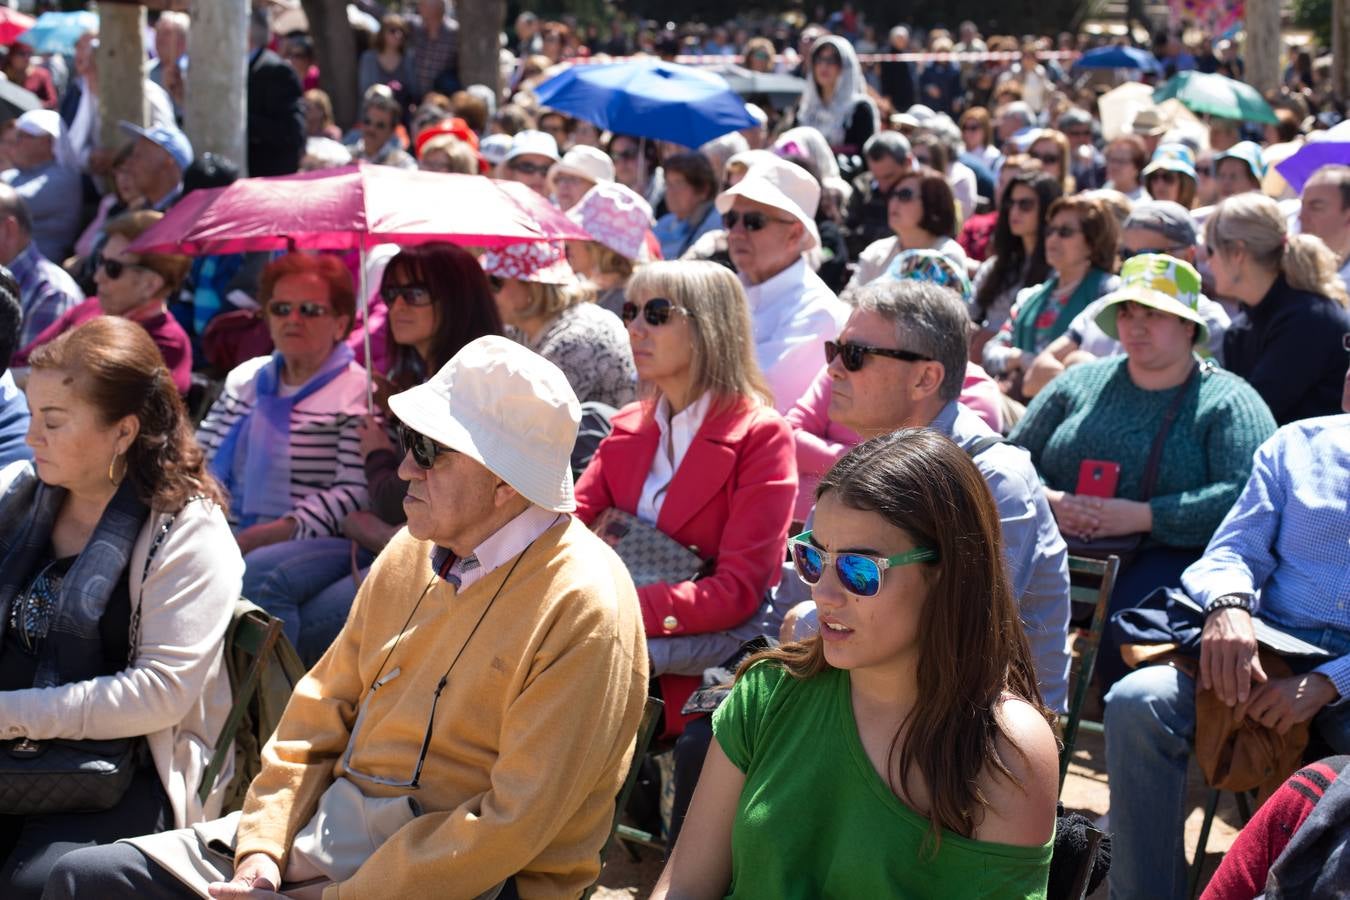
point(1312, 156)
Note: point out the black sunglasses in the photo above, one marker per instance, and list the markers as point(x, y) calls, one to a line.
point(423, 449)
point(1062, 231)
point(1025, 204)
point(412, 294)
point(1166, 176)
point(113, 267)
point(903, 195)
point(754, 221)
point(1047, 159)
point(655, 312)
point(854, 355)
point(1126, 253)
point(528, 168)
point(282, 309)
point(496, 283)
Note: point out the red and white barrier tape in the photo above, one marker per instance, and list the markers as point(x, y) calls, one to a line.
point(864, 58)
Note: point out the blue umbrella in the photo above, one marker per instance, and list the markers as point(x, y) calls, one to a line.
point(1119, 57)
point(649, 99)
point(57, 32)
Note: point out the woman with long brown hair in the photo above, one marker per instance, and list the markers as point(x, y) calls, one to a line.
point(117, 578)
point(903, 751)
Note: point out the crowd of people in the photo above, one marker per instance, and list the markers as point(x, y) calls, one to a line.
point(850, 386)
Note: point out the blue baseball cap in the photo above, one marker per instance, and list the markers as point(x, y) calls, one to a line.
point(167, 138)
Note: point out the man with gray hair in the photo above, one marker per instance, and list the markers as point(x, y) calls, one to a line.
point(899, 362)
point(887, 154)
point(468, 730)
point(1010, 120)
point(1086, 163)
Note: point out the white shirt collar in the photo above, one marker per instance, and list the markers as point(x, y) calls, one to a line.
point(788, 283)
point(500, 547)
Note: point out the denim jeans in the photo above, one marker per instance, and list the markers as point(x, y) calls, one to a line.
point(1150, 726)
point(308, 585)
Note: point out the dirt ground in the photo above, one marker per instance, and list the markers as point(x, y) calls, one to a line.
point(1085, 791)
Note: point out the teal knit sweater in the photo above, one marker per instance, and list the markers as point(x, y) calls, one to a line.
point(1094, 411)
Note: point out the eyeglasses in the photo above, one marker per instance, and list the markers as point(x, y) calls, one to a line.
point(902, 195)
point(424, 450)
point(859, 573)
point(1166, 176)
point(112, 267)
point(630, 154)
point(1024, 204)
point(1079, 133)
point(854, 355)
point(1062, 231)
point(529, 168)
point(412, 294)
point(1126, 253)
point(655, 312)
point(1047, 159)
point(754, 221)
point(360, 720)
point(496, 283)
point(282, 309)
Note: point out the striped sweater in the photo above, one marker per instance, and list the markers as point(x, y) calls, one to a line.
point(328, 478)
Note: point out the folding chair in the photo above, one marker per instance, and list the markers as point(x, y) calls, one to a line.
point(647, 728)
point(263, 669)
point(1244, 805)
point(1099, 598)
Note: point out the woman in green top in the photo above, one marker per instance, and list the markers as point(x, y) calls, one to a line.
point(1080, 247)
point(904, 751)
point(1111, 411)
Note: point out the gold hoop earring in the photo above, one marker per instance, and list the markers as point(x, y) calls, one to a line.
point(112, 465)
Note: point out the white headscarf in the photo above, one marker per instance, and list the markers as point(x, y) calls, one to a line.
point(833, 119)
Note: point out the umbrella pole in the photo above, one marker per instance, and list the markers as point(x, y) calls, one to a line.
point(363, 299)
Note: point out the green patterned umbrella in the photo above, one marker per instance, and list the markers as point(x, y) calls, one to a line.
point(1217, 95)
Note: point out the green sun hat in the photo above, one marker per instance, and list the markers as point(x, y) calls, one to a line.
point(1160, 282)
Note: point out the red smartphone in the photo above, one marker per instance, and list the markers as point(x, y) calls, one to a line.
point(1098, 478)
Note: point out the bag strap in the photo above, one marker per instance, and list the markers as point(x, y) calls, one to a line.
point(984, 443)
point(160, 534)
point(1160, 439)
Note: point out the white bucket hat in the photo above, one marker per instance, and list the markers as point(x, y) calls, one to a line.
point(586, 162)
point(507, 407)
point(784, 186)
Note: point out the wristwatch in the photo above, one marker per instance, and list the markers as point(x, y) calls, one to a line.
point(1229, 601)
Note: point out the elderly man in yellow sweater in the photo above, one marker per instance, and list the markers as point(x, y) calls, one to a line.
point(467, 732)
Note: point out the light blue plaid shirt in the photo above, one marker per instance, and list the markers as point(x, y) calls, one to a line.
point(46, 292)
point(1286, 542)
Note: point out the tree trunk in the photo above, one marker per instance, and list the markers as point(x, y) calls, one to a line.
point(335, 46)
point(216, 80)
point(1340, 48)
point(480, 28)
point(120, 60)
point(1263, 44)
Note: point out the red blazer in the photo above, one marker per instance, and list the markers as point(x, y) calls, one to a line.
point(731, 498)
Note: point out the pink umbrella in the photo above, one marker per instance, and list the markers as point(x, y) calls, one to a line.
point(12, 24)
point(356, 207)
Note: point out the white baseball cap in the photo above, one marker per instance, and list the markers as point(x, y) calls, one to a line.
point(540, 143)
point(586, 162)
point(40, 123)
point(784, 186)
point(507, 407)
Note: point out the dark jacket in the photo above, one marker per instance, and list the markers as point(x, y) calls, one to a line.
point(897, 82)
point(276, 119)
point(1288, 347)
point(866, 219)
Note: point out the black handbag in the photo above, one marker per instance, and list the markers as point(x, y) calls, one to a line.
point(1126, 546)
point(60, 776)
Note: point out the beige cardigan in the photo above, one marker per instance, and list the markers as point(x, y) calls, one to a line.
point(177, 691)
